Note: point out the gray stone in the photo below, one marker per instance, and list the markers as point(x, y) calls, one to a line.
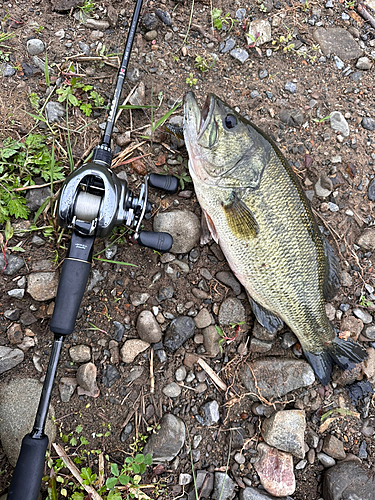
point(16, 293)
point(224, 487)
point(138, 97)
point(63, 5)
point(339, 63)
point(119, 331)
point(125, 434)
point(182, 225)
point(9, 358)
point(180, 374)
point(348, 480)
point(231, 311)
point(165, 444)
point(364, 316)
point(84, 48)
point(211, 412)
point(132, 348)
point(276, 377)
point(364, 63)
point(110, 376)
point(203, 319)
point(239, 54)
point(257, 345)
point(97, 24)
point(367, 240)
point(211, 341)
point(54, 111)
point(259, 32)
point(370, 332)
point(172, 390)
point(86, 379)
point(179, 330)
point(337, 41)
point(148, 328)
point(250, 493)
point(19, 401)
point(204, 483)
point(124, 139)
point(275, 470)
point(263, 73)
point(185, 479)
point(12, 314)
point(7, 70)
point(323, 187)
point(368, 123)
point(35, 46)
point(80, 353)
point(67, 386)
point(285, 430)
point(290, 87)
point(227, 45)
point(292, 117)
point(229, 279)
point(149, 21)
point(288, 340)
point(13, 264)
point(326, 460)
point(138, 298)
point(36, 197)
point(339, 124)
point(42, 286)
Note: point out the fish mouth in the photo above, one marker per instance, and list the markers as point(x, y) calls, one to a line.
point(195, 120)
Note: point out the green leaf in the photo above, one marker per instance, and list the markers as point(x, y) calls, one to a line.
point(139, 458)
point(136, 468)
point(111, 482)
point(79, 429)
point(86, 108)
point(148, 459)
point(73, 441)
point(83, 440)
point(8, 230)
point(16, 207)
point(114, 469)
point(73, 100)
point(129, 460)
point(142, 468)
point(124, 479)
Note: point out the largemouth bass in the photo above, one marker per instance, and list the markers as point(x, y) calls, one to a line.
point(257, 211)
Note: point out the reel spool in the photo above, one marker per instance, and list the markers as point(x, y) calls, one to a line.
point(87, 206)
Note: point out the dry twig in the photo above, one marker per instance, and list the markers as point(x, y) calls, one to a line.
point(73, 469)
point(217, 380)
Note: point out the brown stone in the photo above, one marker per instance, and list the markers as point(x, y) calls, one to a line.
point(15, 334)
point(334, 447)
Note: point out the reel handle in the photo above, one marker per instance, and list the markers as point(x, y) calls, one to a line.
point(162, 242)
point(168, 183)
point(27, 475)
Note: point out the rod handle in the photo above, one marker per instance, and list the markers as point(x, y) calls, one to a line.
point(72, 284)
point(27, 475)
point(168, 183)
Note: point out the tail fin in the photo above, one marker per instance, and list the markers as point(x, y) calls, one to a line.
point(343, 353)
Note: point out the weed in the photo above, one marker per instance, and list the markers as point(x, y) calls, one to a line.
point(38, 29)
point(5, 36)
point(46, 72)
point(203, 64)
point(88, 7)
point(262, 7)
point(283, 43)
point(19, 163)
point(79, 95)
point(218, 20)
point(364, 302)
point(227, 338)
point(190, 80)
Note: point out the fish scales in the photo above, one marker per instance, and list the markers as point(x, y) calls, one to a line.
point(256, 210)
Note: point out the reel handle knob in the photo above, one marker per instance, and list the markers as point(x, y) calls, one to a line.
point(162, 242)
point(167, 183)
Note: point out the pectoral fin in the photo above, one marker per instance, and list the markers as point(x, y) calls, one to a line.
point(239, 218)
point(331, 282)
point(267, 319)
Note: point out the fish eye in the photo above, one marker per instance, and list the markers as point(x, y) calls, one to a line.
point(230, 121)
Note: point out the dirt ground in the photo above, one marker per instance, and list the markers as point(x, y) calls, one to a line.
point(167, 67)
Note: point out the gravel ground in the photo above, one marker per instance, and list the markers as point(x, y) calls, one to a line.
point(303, 73)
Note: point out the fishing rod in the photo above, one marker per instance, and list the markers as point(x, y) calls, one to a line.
point(92, 201)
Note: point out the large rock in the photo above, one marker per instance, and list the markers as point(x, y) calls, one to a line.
point(285, 431)
point(165, 445)
point(182, 225)
point(275, 377)
point(348, 480)
point(250, 493)
point(148, 328)
point(9, 358)
point(43, 286)
point(275, 470)
point(224, 487)
point(367, 240)
point(337, 41)
point(131, 349)
point(179, 331)
point(18, 405)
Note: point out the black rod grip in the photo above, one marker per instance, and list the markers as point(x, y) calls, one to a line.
point(27, 475)
point(72, 284)
point(162, 242)
point(167, 183)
